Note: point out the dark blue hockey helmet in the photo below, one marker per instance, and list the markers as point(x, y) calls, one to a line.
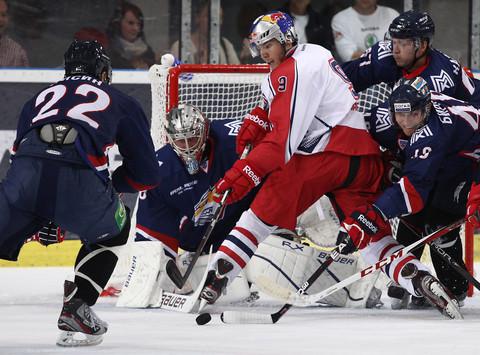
point(412, 24)
point(409, 95)
point(88, 58)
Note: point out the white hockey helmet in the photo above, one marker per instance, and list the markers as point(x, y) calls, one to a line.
point(275, 25)
point(187, 132)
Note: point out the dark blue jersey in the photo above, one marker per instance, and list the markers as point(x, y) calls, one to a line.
point(103, 116)
point(439, 158)
point(442, 73)
point(166, 212)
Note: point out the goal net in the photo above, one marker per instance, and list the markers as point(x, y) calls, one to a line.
point(219, 91)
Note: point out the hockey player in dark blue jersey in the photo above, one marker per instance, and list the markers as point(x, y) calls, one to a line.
point(197, 154)
point(59, 174)
point(442, 161)
point(436, 138)
point(409, 54)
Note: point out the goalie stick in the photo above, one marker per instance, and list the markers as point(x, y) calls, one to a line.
point(183, 303)
point(171, 267)
point(446, 257)
point(300, 299)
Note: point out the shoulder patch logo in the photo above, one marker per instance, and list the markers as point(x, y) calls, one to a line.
point(234, 127)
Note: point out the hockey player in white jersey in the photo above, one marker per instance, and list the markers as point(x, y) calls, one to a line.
point(317, 145)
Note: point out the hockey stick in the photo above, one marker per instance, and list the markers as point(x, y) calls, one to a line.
point(300, 299)
point(171, 267)
point(259, 318)
point(446, 257)
point(183, 303)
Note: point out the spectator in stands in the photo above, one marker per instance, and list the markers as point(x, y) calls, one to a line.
point(249, 11)
point(92, 34)
point(198, 51)
point(128, 47)
point(311, 26)
point(360, 26)
point(12, 54)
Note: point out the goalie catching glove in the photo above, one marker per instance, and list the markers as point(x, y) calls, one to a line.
point(473, 206)
point(240, 179)
point(254, 127)
point(49, 234)
point(364, 226)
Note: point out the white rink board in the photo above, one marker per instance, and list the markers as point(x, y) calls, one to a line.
point(30, 300)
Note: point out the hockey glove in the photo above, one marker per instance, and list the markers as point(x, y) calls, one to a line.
point(473, 206)
point(254, 127)
point(393, 168)
point(49, 234)
point(240, 179)
point(364, 226)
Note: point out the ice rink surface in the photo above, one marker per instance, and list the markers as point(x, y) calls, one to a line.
point(30, 302)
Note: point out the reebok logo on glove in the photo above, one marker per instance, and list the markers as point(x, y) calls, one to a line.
point(251, 174)
point(368, 225)
point(262, 123)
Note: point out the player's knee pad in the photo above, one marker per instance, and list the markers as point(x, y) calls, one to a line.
point(122, 237)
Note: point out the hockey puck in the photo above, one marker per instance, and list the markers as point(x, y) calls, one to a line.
point(203, 318)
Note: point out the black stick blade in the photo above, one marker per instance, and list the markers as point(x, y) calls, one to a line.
point(174, 273)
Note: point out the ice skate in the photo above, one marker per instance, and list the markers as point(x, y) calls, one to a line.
point(216, 282)
point(399, 297)
point(80, 326)
point(433, 291)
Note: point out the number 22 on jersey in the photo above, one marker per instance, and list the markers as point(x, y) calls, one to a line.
point(77, 112)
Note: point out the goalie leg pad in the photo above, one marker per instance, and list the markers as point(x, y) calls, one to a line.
point(236, 291)
point(289, 264)
point(142, 279)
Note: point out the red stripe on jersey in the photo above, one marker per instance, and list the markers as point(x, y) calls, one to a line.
point(386, 249)
point(137, 186)
point(414, 198)
point(169, 241)
point(416, 72)
point(234, 256)
point(247, 234)
point(399, 267)
point(97, 161)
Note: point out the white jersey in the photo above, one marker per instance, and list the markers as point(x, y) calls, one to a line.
point(312, 108)
point(355, 32)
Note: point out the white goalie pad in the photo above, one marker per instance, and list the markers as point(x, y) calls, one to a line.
point(289, 264)
point(319, 223)
point(147, 278)
point(147, 261)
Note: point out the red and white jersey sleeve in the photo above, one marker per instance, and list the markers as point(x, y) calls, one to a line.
point(312, 108)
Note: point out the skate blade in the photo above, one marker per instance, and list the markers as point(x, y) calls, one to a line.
point(451, 309)
point(73, 339)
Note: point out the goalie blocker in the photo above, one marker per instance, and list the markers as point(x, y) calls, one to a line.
point(286, 262)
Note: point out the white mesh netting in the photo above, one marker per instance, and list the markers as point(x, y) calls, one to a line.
point(219, 95)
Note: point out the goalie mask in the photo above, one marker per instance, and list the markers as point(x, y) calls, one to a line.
point(275, 25)
point(410, 104)
point(187, 132)
point(88, 58)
